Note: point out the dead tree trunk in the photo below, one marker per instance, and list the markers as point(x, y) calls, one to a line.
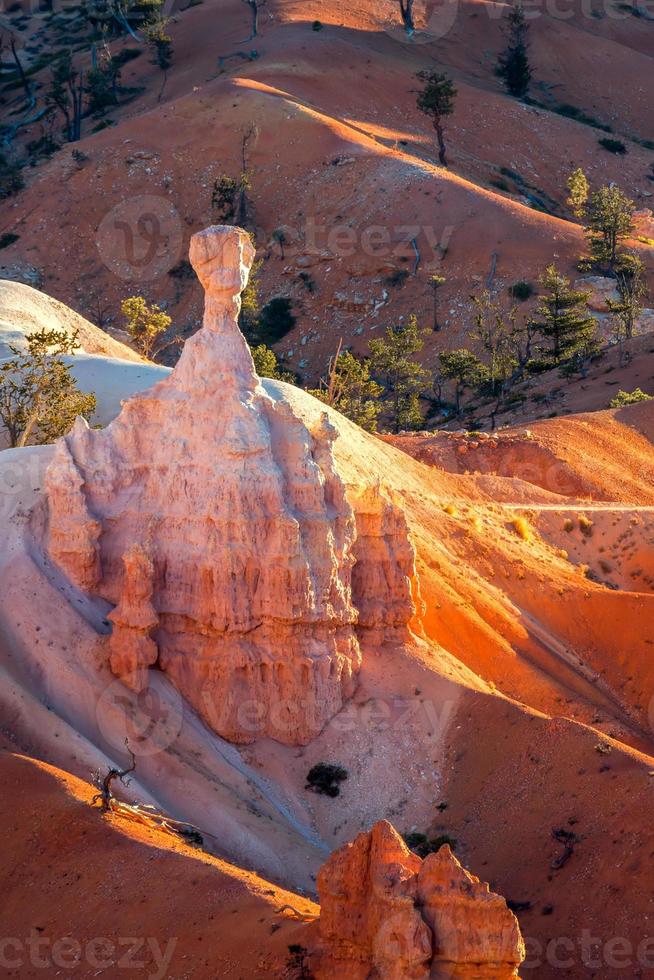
point(104, 784)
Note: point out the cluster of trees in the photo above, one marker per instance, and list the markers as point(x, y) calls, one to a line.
point(78, 90)
point(389, 383)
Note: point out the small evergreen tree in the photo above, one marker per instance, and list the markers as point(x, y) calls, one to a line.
point(160, 41)
point(578, 190)
point(513, 63)
point(437, 101)
point(229, 198)
point(39, 398)
point(276, 319)
point(609, 217)
point(267, 366)
point(65, 95)
point(248, 320)
point(464, 368)
point(145, 324)
point(626, 311)
point(393, 363)
point(496, 332)
point(349, 389)
point(562, 318)
point(102, 82)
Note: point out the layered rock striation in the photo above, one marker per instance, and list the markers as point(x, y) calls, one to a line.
point(215, 522)
point(384, 912)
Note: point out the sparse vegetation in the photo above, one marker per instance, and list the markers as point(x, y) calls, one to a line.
point(275, 320)
point(145, 323)
point(585, 525)
point(267, 366)
point(612, 145)
point(437, 101)
point(624, 398)
point(160, 42)
point(349, 388)
point(39, 398)
point(522, 528)
point(394, 365)
point(521, 291)
point(513, 64)
point(229, 198)
point(422, 845)
point(325, 778)
point(563, 321)
point(464, 368)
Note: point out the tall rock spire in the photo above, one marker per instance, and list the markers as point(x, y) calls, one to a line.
point(235, 512)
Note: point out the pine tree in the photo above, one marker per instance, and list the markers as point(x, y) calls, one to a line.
point(464, 368)
point(496, 331)
point(349, 388)
point(65, 94)
point(626, 311)
point(103, 81)
point(145, 324)
point(562, 317)
point(578, 189)
point(437, 101)
point(39, 398)
point(267, 366)
point(160, 41)
point(513, 63)
point(609, 218)
point(392, 362)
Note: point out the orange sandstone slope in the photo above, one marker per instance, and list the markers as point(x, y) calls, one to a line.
point(339, 155)
point(103, 894)
point(516, 721)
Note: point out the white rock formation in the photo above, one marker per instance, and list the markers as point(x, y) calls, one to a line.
point(217, 525)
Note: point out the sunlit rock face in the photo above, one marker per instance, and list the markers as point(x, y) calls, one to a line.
point(215, 522)
point(386, 913)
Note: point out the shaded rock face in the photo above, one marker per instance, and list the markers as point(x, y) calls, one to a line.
point(218, 527)
point(386, 913)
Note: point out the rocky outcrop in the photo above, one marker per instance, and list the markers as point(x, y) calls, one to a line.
point(214, 520)
point(384, 912)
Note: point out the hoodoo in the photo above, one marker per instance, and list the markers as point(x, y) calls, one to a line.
point(217, 526)
point(384, 912)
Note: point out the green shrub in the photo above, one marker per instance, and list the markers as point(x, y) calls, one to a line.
point(324, 778)
point(316, 26)
point(629, 398)
point(421, 845)
point(613, 146)
point(276, 319)
point(8, 239)
point(521, 290)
